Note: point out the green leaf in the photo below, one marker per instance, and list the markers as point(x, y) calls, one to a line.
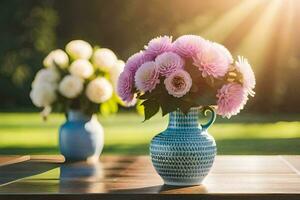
point(147, 95)
point(167, 108)
point(207, 98)
point(140, 108)
point(186, 106)
point(105, 109)
point(151, 107)
point(168, 104)
point(154, 94)
point(112, 105)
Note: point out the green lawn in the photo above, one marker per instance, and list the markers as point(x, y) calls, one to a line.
point(26, 133)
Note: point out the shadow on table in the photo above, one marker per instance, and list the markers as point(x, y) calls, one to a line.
point(13, 172)
point(68, 177)
point(164, 189)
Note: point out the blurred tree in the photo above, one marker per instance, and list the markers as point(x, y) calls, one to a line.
point(126, 26)
point(30, 30)
point(28, 33)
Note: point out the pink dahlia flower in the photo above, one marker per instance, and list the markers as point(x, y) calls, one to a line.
point(178, 83)
point(188, 45)
point(126, 79)
point(146, 77)
point(231, 99)
point(225, 52)
point(158, 45)
point(213, 60)
point(125, 86)
point(168, 63)
point(135, 61)
point(243, 66)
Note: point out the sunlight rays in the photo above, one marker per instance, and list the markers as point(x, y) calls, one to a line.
point(227, 23)
point(252, 28)
point(283, 53)
point(255, 44)
point(285, 36)
point(218, 28)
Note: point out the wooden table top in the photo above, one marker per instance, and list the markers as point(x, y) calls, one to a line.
point(121, 177)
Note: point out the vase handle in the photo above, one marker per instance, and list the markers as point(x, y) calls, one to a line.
point(212, 119)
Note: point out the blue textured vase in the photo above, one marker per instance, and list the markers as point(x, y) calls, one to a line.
point(81, 137)
point(184, 153)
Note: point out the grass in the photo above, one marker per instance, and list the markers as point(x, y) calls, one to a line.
point(26, 133)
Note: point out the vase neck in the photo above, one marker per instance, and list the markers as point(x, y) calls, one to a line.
point(178, 119)
point(76, 115)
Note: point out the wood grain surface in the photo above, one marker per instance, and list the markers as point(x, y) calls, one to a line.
point(6, 160)
point(119, 177)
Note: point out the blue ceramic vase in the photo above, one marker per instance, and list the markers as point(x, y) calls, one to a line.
point(81, 137)
point(184, 153)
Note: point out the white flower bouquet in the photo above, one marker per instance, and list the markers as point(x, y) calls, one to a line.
point(80, 78)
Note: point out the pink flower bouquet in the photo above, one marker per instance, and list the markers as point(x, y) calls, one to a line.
point(188, 72)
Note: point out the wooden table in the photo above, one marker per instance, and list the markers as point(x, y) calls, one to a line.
point(121, 177)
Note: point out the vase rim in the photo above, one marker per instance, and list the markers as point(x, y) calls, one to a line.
point(78, 115)
point(79, 111)
point(199, 107)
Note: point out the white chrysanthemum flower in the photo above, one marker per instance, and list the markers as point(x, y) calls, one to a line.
point(99, 90)
point(79, 49)
point(82, 68)
point(104, 59)
point(115, 72)
point(56, 58)
point(43, 94)
point(49, 75)
point(71, 86)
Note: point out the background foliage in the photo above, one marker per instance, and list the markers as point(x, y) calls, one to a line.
point(264, 31)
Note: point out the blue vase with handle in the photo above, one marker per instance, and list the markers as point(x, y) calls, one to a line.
point(184, 153)
point(81, 137)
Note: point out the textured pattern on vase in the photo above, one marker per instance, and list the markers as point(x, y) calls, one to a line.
point(184, 153)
